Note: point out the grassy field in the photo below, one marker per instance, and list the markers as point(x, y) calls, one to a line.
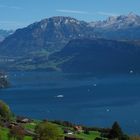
point(91, 136)
point(31, 126)
point(4, 135)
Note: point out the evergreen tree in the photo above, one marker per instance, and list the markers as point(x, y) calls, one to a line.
point(116, 131)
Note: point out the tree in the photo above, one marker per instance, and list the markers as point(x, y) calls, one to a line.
point(47, 131)
point(116, 131)
point(5, 111)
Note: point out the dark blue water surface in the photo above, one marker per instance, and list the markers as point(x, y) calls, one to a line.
point(83, 99)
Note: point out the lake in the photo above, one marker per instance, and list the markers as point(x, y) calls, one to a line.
point(80, 98)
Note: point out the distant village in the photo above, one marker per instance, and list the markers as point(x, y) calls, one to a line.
point(3, 80)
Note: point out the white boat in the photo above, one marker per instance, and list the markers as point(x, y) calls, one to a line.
point(60, 96)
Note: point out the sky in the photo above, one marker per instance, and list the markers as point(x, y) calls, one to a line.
point(20, 13)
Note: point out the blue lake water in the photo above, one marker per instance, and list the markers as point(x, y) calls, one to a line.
point(83, 99)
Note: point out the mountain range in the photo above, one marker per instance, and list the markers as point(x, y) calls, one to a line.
point(47, 35)
point(98, 56)
point(123, 27)
point(4, 34)
point(70, 45)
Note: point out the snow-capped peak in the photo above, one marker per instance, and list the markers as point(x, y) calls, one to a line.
point(117, 22)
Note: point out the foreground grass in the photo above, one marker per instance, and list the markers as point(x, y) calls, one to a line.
point(4, 133)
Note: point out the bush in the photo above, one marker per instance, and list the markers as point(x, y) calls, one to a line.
point(98, 138)
point(86, 131)
point(17, 133)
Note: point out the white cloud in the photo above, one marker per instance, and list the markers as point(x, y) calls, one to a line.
point(10, 7)
point(71, 11)
point(86, 13)
point(107, 14)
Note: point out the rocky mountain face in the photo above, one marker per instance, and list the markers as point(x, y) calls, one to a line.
point(118, 22)
point(70, 45)
point(52, 34)
point(123, 27)
point(47, 35)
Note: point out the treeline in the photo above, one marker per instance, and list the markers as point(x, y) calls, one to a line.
point(114, 133)
point(69, 124)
